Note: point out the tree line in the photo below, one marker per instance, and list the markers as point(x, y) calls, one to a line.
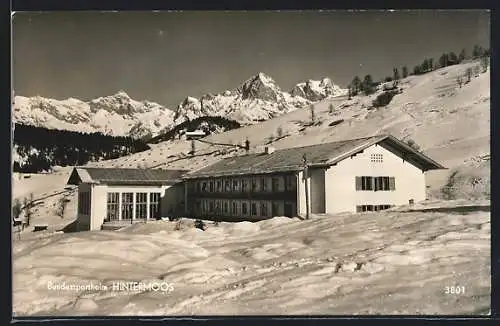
point(43, 148)
point(367, 85)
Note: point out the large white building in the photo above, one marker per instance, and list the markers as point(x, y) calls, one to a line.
point(365, 174)
point(357, 175)
point(119, 196)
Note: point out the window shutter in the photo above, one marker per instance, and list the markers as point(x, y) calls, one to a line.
point(358, 183)
point(374, 183)
point(392, 183)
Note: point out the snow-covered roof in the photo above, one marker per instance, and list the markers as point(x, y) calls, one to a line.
point(321, 155)
point(125, 176)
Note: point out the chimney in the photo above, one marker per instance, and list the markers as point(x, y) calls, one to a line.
point(269, 150)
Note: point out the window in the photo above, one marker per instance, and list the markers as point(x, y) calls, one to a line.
point(290, 183)
point(219, 186)
point(244, 209)
point(375, 183)
point(275, 184)
point(211, 207)
point(218, 208)
point(226, 208)
point(263, 209)
point(154, 205)
point(381, 183)
point(376, 158)
point(84, 203)
point(227, 187)
point(141, 205)
point(371, 208)
point(275, 209)
point(234, 208)
point(244, 185)
point(127, 205)
point(204, 206)
point(211, 186)
point(204, 187)
point(263, 184)
point(254, 209)
point(254, 185)
point(366, 183)
point(112, 206)
point(235, 185)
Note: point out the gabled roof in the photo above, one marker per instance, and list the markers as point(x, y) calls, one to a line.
point(321, 155)
point(125, 176)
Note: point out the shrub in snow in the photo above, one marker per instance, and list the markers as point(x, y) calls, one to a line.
point(413, 145)
point(385, 98)
point(199, 224)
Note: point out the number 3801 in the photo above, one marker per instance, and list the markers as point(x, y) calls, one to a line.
point(454, 290)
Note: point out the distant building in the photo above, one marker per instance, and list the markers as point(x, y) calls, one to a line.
point(366, 174)
point(126, 195)
point(195, 134)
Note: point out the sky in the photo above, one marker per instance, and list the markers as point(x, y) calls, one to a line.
point(166, 56)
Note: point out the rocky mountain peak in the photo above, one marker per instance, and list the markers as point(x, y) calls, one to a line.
point(260, 86)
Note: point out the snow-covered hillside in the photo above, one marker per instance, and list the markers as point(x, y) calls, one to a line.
point(391, 262)
point(399, 261)
point(259, 98)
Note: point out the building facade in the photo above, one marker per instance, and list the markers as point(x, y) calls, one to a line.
point(243, 196)
point(366, 174)
point(126, 195)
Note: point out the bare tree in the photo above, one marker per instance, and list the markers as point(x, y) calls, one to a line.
point(459, 81)
point(477, 70)
point(468, 74)
point(331, 108)
point(17, 208)
point(485, 63)
point(61, 206)
point(279, 132)
point(28, 209)
point(395, 74)
point(312, 109)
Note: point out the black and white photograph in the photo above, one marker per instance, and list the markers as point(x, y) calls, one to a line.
point(256, 163)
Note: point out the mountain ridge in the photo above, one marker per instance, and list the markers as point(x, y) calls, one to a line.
point(256, 99)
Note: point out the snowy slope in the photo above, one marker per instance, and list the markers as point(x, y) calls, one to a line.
point(392, 262)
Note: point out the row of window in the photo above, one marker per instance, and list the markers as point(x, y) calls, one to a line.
point(127, 205)
point(375, 183)
point(243, 208)
point(271, 184)
point(372, 208)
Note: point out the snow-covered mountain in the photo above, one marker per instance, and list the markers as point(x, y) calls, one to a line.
point(116, 115)
point(316, 90)
point(258, 98)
